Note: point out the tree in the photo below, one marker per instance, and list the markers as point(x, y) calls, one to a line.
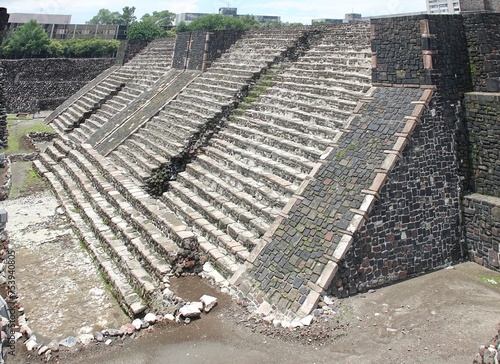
point(28, 40)
point(104, 16)
point(218, 22)
point(144, 30)
point(160, 18)
point(127, 17)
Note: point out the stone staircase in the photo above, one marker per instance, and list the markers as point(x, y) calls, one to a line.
point(240, 140)
point(112, 94)
point(241, 181)
point(136, 240)
point(180, 126)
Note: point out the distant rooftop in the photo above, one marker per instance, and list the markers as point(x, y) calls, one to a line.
point(23, 18)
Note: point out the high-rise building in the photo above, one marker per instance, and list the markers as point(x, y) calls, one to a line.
point(443, 6)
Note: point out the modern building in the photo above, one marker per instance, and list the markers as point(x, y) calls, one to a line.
point(443, 6)
point(189, 17)
point(59, 27)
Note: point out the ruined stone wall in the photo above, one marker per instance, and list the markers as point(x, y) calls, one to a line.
point(483, 126)
point(483, 42)
point(33, 84)
point(415, 225)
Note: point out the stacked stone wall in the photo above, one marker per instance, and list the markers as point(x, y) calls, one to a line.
point(483, 42)
point(482, 225)
point(4, 134)
point(34, 84)
point(483, 126)
point(131, 49)
point(181, 50)
point(194, 52)
point(414, 227)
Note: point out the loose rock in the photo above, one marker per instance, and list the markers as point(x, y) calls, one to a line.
point(189, 311)
point(69, 342)
point(85, 339)
point(150, 318)
point(209, 302)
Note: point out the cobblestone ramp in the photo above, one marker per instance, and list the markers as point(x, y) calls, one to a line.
point(314, 232)
point(112, 92)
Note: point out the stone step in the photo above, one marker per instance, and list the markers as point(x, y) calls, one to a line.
point(224, 263)
point(122, 290)
point(221, 94)
point(165, 141)
point(138, 277)
point(328, 90)
point(276, 154)
point(308, 106)
point(312, 99)
point(282, 142)
point(123, 157)
point(258, 161)
point(307, 135)
point(161, 244)
point(331, 75)
point(154, 212)
point(235, 194)
point(275, 182)
point(155, 264)
point(210, 224)
point(353, 85)
point(313, 117)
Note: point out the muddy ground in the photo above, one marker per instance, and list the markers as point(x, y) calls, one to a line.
point(441, 317)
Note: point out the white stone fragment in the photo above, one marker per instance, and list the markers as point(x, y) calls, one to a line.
point(296, 323)
point(306, 321)
point(209, 302)
point(169, 317)
point(109, 341)
point(137, 323)
point(276, 322)
point(285, 324)
point(85, 339)
point(43, 349)
point(198, 305)
point(150, 318)
point(31, 343)
point(327, 300)
point(189, 311)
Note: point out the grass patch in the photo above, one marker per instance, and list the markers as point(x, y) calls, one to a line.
point(491, 281)
point(14, 117)
point(17, 131)
point(31, 182)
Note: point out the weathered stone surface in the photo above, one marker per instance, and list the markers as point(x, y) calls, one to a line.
point(189, 311)
point(209, 302)
point(85, 339)
point(68, 342)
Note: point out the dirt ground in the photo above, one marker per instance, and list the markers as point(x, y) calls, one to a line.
point(441, 317)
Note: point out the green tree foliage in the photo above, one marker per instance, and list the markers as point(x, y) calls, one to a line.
point(160, 18)
point(219, 22)
point(85, 48)
point(127, 17)
point(144, 30)
point(105, 16)
point(28, 40)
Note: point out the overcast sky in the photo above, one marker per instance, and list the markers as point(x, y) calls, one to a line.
point(290, 10)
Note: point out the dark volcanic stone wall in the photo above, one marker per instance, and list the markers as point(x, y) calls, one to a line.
point(483, 41)
point(397, 43)
point(4, 134)
point(414, 227)
point(193, 46)
point(482, 225)
point(483, 126)
point(33, 84)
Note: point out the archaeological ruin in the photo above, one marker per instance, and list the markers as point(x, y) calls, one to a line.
point(299, 161)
